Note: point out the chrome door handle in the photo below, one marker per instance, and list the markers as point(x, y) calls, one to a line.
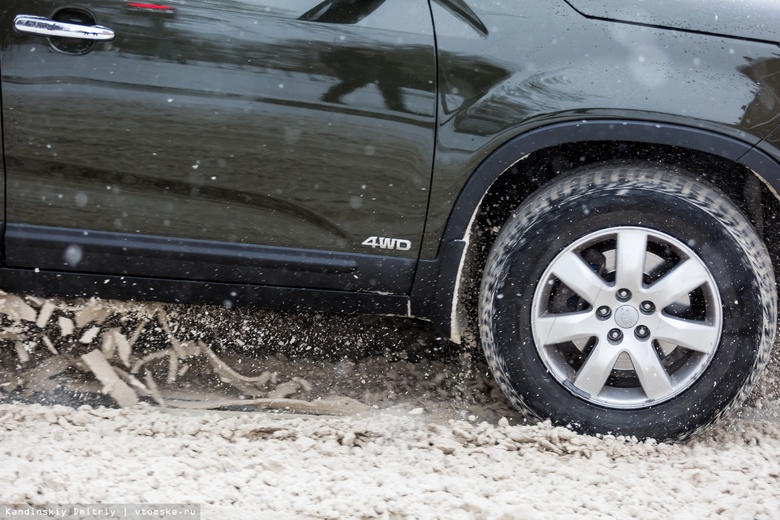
point(47, 27)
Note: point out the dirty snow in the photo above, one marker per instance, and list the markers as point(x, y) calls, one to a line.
point(422, 432)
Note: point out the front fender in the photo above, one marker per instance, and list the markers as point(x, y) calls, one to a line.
point(642, 132)
point(435, 294)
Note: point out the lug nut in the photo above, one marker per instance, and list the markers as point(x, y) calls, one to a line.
point(647, 307)
point(615, 335)
point(623, 295)
point(603, 312)
point(642, 332)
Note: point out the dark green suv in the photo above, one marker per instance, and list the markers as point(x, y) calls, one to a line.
point(592, 184)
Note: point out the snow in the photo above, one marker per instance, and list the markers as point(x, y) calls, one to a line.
point(425, 433)
point(379, 465)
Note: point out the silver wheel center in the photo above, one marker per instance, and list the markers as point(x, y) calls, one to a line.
point(626, 316)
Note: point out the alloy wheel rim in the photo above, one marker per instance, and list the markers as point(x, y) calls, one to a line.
point(626, 317)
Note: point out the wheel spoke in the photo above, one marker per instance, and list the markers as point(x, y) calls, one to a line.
point(572, 270)
point(651, 373)
point(558, 328)
point(684, 278)
point(593, 374)
point(631, 252)
point(692, 335)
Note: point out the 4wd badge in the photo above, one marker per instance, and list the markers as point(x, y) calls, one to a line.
point(388, 243)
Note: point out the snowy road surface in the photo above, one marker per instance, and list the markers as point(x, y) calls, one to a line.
point(421, 435)
point(379, 465)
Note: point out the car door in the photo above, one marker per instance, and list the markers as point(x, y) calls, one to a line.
point(284, 142)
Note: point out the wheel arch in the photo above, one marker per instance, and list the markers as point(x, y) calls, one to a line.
point(601, 131)
point(523, 164)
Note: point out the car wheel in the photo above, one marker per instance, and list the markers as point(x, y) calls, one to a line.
point(628, 300)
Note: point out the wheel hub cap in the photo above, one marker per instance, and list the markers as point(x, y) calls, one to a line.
point(626, 316)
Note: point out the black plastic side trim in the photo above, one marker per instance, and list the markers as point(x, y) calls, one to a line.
point(434, 286)
point(581, 131)
point(64, 249)
point(49, 283)
point(764, 165)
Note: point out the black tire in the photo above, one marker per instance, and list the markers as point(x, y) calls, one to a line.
point(566, 344)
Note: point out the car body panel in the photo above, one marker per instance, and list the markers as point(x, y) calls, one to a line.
point(550, 65)
point(268, 124)
point(748, 19)
point(246, 151)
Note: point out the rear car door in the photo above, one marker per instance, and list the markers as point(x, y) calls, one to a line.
point(284, 142)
